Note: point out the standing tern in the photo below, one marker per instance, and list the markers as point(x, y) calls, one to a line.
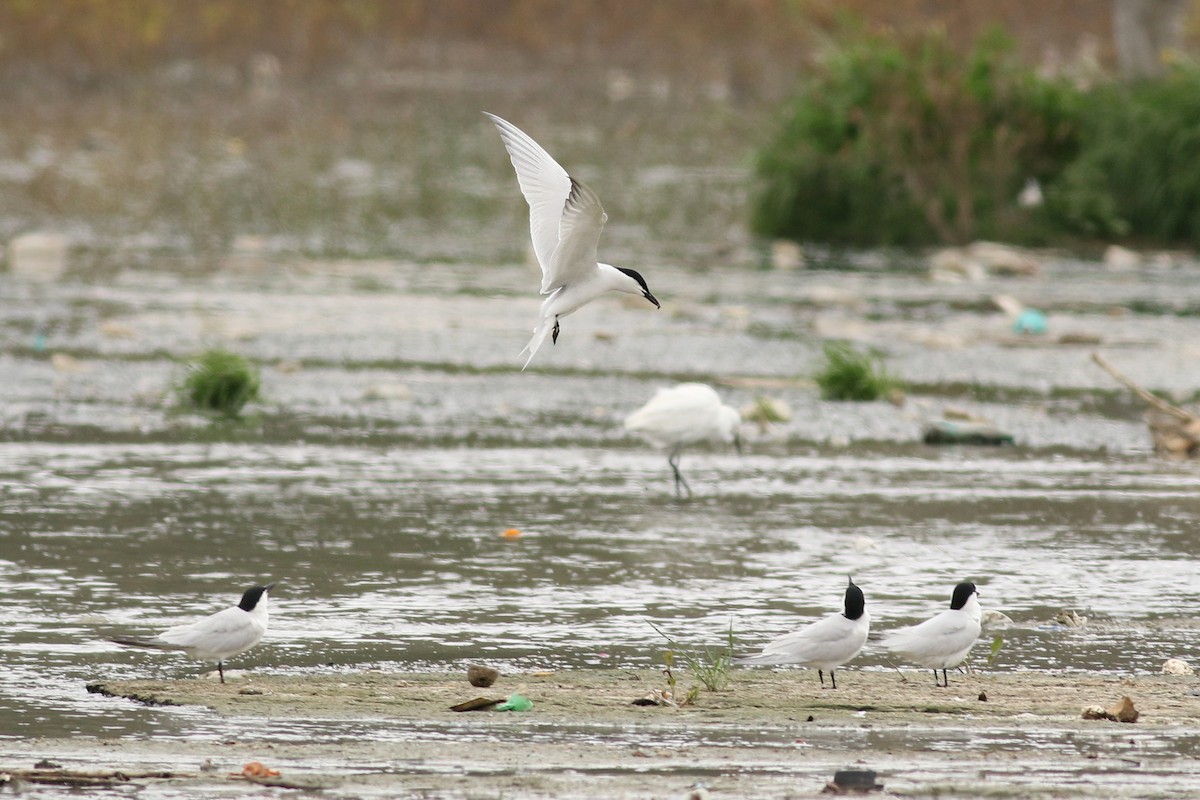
point(565, 220)
point(943, 641)
point(825, 644)
point(685, 414)
point(217, 637)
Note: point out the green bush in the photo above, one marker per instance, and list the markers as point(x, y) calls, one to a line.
point(905, 141)
point(220, 381)
point(1138, 170)
point(851, 375)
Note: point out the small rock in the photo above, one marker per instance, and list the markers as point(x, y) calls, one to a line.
point(39, 256)
point(1121, 711)
point(387, 391)
point(1177, 666)
point(786, 255)
point(117, 330)
point(1124, 710)
point(46, 763)
point(67, 365)
point(953, 265)
point(482, 676)
point(1120, 259)
point(983, 697)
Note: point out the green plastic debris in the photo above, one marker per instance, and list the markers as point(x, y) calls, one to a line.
point(516, 702)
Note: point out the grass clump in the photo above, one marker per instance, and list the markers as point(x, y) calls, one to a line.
point(220, 381)
point(708, 665)
point(852, 375)
point(904, 140)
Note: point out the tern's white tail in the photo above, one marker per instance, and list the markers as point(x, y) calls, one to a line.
point(539, 335)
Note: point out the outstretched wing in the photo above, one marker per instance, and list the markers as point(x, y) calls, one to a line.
point(546, 187)
point(578, 234)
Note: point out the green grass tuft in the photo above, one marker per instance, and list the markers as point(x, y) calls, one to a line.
point(708, 665)
point(851, 375)
point(220, 381)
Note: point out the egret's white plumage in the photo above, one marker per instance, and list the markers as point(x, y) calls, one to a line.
point(565, 221)
point(943, 641)
point(682, 415)
point(217, 637)
point(825, 644)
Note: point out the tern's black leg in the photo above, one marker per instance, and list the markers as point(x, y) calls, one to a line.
point(554, 333)
point(821, 675)
point(673, 460)
point(833, 678)
point(220, 672)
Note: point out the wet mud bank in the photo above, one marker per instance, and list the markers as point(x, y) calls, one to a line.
point(773, 733)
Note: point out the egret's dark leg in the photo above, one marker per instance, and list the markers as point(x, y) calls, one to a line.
point(935, 679)
point(220, 672)
point(673, 460)
point(821, 675)
point(833, 678)
point(554, 333)
point(945, 680)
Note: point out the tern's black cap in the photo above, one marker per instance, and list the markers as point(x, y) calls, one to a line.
point(962, 593)
point(856, 604)
point(252, 595)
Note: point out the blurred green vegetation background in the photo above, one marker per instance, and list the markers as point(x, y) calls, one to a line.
point(199, 131)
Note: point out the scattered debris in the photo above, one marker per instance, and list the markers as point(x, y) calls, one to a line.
point(657, 697)
point(81, 778)
point(482, 676)
point(516, 702)
point(256, 769)
point(1176, 432)
point(1177, 666)
point(511, 533)
point(853, 781)
point(478, 704)
point(46, 763)
point(1030, 322)
point(978, 259)
point(946, 431)
point(1070, 618)
point(1121, 711)
point(982, 697)
point(995, 621)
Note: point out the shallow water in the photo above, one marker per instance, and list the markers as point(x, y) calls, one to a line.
point(376, 479)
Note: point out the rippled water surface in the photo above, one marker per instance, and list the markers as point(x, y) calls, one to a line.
point(398, 440)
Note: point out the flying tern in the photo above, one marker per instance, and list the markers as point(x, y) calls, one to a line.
point(565, 220)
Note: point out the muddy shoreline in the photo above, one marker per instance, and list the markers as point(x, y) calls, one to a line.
point(772, 733)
